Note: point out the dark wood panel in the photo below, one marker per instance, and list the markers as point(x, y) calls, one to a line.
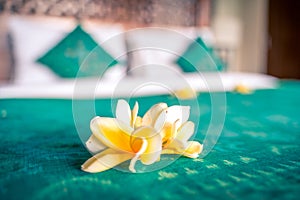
point(284, 44)
point(146, 12)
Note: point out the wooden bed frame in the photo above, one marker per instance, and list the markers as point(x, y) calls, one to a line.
point(141, 12)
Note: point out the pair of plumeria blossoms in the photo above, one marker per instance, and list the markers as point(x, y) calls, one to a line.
point(162, 130)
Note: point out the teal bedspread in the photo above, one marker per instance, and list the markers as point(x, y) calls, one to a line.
point(257, 155)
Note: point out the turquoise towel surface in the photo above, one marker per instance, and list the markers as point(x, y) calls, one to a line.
point(256, 157)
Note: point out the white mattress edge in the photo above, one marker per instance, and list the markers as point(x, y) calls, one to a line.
point(129, 86)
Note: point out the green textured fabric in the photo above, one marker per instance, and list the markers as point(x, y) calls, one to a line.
point(256, 157)
point(199, 57)
point(76, 49)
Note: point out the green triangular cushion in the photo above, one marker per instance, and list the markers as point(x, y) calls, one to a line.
point(199, 57)
point(76, 49)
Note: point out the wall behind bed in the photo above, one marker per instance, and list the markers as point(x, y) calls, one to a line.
point(5, 64)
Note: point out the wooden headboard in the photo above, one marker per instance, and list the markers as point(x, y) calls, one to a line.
point(143, 12)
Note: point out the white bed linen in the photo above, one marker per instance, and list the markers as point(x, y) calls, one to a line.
point(137, 86)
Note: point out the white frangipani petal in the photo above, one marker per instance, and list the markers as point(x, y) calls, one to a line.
point(134, 114)
point(176, 145)
point(105, 160)
point(170, 115)
point(160, 120)
point(178, 112)
point(192, 150)
point(185, 131)
point(152, 114)
point(123, 112)
point(94, 145)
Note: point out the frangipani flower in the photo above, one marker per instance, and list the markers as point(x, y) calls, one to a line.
point(162, 130)
point(185, 93)
point(243, 89)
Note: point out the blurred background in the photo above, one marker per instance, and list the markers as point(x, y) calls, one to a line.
point(260, 36)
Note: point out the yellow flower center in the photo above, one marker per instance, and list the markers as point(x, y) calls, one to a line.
point(136, 144)
point(168, 133)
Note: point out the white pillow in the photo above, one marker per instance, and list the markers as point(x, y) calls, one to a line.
point(34, 36)
point(109, 36)
point(31, 38)
point(151, 47)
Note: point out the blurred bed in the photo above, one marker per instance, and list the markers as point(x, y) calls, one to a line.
point(153, 57)
point(257, 155)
